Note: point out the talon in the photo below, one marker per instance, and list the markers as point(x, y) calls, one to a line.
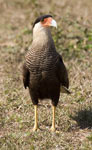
point(57, 131)
point(52, 129)
point(35, 129)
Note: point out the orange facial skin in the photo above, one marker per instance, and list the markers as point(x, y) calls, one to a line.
point(46, 22)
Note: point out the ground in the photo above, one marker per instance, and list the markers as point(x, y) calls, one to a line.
point(73, 39)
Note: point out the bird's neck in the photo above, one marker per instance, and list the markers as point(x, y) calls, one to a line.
point(42, 35)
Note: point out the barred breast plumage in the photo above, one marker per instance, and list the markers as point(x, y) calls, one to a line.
point(40, 59)
point(41, 62)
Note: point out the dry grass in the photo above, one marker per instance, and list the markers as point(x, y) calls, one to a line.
point(73, 40)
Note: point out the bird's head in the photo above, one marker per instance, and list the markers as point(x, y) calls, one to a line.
point(44, 21)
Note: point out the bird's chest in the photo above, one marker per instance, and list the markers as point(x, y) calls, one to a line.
point(42, 60)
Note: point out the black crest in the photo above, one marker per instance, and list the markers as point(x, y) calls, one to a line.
point(41, 18)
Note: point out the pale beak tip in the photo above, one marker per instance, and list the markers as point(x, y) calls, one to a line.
point(53, 23)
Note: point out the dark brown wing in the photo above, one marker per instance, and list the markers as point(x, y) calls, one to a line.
point(26, 76)
point(62, 73)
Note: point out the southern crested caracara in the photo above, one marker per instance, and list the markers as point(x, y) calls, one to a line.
point(44, 72)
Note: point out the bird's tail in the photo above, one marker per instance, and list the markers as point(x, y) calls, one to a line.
point(63, 89)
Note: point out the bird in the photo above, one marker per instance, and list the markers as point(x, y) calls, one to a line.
point(44, 72)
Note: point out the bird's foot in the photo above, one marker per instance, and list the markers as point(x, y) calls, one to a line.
point(52, 129)
point(35, 129)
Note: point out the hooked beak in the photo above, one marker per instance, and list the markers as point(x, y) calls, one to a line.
point(53, 23)
point(49, 22)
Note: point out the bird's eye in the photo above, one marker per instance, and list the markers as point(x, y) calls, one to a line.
point(42, 19)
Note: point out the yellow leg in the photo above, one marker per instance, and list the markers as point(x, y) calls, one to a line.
point(53, 119)
point(36, 119)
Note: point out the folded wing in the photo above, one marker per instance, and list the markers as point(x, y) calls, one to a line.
point(26, 76)
point(62, 76)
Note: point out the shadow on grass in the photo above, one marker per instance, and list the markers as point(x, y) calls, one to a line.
point(84, 118)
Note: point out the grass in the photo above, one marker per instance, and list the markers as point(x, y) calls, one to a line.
point(73, 39)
